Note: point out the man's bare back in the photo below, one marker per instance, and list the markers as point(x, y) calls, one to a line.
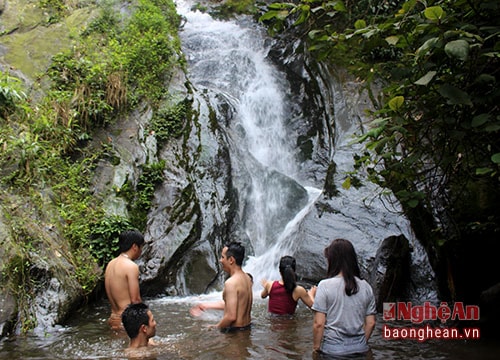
point(237, 294)
point(121, 281)
point(240, 286)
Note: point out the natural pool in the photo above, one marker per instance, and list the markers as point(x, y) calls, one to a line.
point(180, 336)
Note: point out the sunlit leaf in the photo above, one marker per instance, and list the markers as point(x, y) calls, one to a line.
point(359, 24)
point(392, 40)
point(458, 49)
point(304, 15)
point(435, 13)
point(496, 158)
point(337, 5)
point(396, 102)
point(278, 14)
point(347, 183)
point(426, 79)
point(428, 45)
point(279, 6)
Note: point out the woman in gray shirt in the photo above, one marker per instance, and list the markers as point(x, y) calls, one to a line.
point(344, 306)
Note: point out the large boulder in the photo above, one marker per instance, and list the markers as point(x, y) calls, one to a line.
point(390, 271)
point(39, 272)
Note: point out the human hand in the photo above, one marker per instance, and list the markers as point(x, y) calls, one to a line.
point(263, 282)
point(197, 310)
point(312, 291)
point(316, 354)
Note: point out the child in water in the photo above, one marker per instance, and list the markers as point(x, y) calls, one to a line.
point(285, 293)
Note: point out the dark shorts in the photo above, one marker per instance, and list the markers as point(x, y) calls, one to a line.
point(233, 329)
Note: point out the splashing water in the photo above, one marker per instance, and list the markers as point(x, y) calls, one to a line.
point(228, 61)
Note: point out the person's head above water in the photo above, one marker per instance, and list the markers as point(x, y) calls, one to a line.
point(287, 271)
point(139, 323)
point(237, 250)
point(342, 259)
point(128, 238)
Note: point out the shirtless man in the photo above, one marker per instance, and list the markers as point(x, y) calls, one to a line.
point(237, 295)
point(139, 324)
point(121, 278)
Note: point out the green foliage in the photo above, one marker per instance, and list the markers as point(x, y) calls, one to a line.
point(139, 199)
point(11, 94)
point(437, 118)
point(116, 64)
point(230, 8)
point(106, 24)
point(147, 48)
point(17, 274)
point(168, 122)
point(56, 9)
point(79, 90)
point(17, 269)
point(104, 237)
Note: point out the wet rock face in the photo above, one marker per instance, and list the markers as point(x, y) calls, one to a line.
point(390, 271)
point(7, 312)
point(38, 279)
point(203, 201)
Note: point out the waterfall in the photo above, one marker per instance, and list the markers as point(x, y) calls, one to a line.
point(228, 61)
point(281, 210)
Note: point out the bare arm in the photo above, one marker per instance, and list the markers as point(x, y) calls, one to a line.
point(369, 326)
point(230, 306)
point(267, 288)
point(307, 297)
point(214, 305)
point(133, 283)
point(198, 309)
point(318, 329)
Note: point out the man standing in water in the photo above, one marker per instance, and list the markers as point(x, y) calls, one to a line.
point(121, 278)
point(237, 294)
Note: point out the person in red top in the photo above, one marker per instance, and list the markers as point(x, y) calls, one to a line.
point(285, 293)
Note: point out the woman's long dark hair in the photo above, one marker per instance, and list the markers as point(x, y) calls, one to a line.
point(287, 271)
point(342, 258)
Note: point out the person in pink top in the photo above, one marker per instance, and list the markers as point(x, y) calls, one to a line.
point(285, 293)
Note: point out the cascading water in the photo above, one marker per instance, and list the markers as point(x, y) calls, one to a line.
point(228, 61)
point(278, 198)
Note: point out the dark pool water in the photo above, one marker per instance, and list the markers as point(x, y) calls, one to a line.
point(180, 336)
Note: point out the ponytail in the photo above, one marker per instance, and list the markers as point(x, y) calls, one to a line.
point(287, 271)
point(289, 278)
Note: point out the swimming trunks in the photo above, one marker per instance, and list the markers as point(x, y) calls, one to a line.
point(236, 328)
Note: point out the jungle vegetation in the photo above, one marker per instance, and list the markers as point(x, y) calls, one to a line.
point(47, 154)
point(434, 136)
point(434, 139)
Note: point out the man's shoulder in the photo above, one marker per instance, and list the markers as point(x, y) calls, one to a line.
point(122, 264)
point(238, 277)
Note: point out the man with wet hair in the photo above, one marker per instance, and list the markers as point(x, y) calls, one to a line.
point(237, 294)
point(121, 278)
point(139, 324)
